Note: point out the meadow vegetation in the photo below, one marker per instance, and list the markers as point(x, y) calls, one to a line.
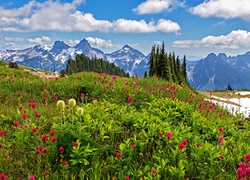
point(97, 126)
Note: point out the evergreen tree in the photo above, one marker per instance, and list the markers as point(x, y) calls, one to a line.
point(184, 68)
point(152, 62)
point(163, 64)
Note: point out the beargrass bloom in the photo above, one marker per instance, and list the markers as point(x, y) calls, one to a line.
point(72, 103)
point(80, 111)
point(60, 104)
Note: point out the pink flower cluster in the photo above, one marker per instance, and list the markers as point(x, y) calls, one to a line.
point(243, 172)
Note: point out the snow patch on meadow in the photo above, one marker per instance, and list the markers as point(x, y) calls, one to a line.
point(240, 106)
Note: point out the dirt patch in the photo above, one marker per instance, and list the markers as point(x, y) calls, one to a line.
point(43, 75)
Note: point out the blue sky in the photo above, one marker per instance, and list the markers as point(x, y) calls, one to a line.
point(193, 28)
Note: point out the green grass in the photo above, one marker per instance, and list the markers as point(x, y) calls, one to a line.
point(114, 138)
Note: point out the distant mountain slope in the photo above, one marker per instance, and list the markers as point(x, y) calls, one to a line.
point(55, 57)
point(217, 72)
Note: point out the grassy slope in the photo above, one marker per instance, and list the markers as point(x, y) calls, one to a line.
point(157, 106)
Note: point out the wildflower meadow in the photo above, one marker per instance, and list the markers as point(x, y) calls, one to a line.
point(97, 126)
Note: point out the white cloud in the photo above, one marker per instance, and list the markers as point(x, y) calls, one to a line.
point(234, 40)
point(9, 42)
point(223, 8)
point(53, 15)
point(40, 40)
point(16, 12)
point(167, 26)
point(72, 42)
point(100, 43)
point(152, 6)
point(50, 15)
point(133, 26)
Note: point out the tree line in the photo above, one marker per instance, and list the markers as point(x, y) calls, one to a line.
point(167, 66)
point(84, 63)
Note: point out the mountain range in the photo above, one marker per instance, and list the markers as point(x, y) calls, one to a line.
point(210, 73)
point(55, 57)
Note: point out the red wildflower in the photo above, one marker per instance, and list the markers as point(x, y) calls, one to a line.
point(198, 144)
point(32, 178)
point(16, 123)
point(221, 130)
point(248, 171)
point(132, 146)
point(118, 155)
point(46, 172)
point(34, 129)
point(52, 133)
point(2, 133)
point(243, 165)
point(130, 99)
point(3, 177)
point(185, 142)
point(220, 140)
point(153, 171)
point(45, 150)
point(169, 135)
point(127, 178)
point(40, 147)
point(222, 157)
point(74, 143)
point(61, 150)
point(44, 138)
point(32, 105)
point(240, 173)
point(38, 151)
point(65, 163)
point(53, 139)
point(24, 116)
point(247, 158)
point(1, 145)
point(181, 146)
point(37, 115)
point(160, 133)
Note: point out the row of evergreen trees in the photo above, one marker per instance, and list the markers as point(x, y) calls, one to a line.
point(84, 63)
point(167, 66)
